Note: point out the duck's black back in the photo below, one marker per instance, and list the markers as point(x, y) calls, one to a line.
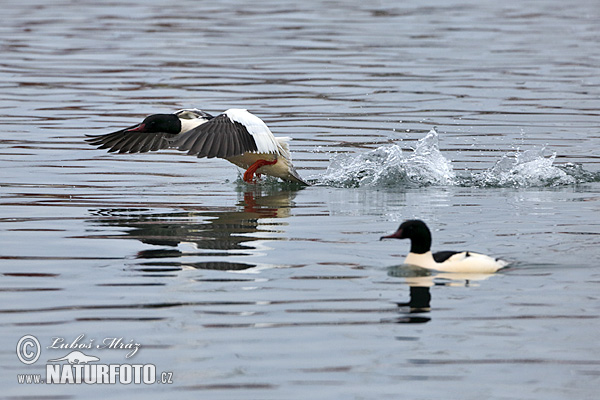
point(442, 256)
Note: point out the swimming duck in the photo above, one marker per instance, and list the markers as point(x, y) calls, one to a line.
point(235, 135)
point(445, 261)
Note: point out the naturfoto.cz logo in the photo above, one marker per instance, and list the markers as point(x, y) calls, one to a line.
point(79, 367)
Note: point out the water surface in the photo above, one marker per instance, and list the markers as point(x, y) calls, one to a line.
point(478, 117)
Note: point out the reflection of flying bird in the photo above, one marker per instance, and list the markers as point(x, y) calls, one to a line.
point(235, 135)
point(224, 232)
point(447, 261)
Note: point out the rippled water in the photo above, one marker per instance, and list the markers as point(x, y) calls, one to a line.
point(479, 117)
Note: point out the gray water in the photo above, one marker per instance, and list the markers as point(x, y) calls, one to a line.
point(479, 117)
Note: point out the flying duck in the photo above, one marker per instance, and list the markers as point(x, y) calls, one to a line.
point(235, 135)
point(445, 261)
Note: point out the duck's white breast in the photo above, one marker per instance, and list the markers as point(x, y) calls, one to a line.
point(187, 124)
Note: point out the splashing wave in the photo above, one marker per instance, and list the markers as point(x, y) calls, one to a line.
point(523, 169)
point(387, 166)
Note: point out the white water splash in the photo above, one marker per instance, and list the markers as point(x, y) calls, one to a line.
point(387, 166)
point(523, 169)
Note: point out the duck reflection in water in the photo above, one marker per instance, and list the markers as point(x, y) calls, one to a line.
point(211, 232)
point(420, 282)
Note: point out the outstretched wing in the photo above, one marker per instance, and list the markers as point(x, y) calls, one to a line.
point(232, 133)
point(128, 141)
point(137, 139)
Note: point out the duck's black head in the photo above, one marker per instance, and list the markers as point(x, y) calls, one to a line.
point(417, 232)
point(167, 123)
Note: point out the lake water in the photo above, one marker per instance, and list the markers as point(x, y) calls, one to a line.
point(479, 117)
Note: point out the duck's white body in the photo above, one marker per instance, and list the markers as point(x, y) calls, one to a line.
point(281, 169)
point(466, 261)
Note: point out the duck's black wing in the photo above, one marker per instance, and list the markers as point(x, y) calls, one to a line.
point(442, 256)
point(130, 141)
point(156, 132)
point(220, 137)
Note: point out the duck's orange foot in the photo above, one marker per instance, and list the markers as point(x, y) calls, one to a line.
point(249, 174)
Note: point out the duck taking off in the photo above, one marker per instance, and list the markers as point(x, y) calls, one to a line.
point(445, 261)
point(235, 135)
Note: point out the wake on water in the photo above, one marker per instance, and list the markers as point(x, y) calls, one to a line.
point(387, 166)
